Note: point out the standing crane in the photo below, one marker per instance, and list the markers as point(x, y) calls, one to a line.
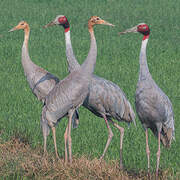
point(153, 107)
point(105, 99)
point(40, 81)
point(71, 92)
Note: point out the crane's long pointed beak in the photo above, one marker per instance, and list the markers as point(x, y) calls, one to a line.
point(13, 29)
point(107, 23)
point(49, 24)
point(133, 29)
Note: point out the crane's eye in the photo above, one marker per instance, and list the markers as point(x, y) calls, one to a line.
point(97, 18)
point(22, 24)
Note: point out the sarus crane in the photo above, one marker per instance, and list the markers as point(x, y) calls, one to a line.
point(105, 99)
point(40, 81)
point(71, 92)
point(153, 106)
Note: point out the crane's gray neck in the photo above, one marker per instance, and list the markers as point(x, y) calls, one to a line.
point(144, 71)
point(71, 59)
point(25, 59)
point(89, 63)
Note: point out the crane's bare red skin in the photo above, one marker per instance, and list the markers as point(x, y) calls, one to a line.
point(144, 29)
point(145, 37)
point(64, 22)
point(67, 29)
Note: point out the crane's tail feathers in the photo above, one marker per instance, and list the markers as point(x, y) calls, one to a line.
point(129, 124)
point(75, 119)
point(44, 123)
point(173, 136)
point(167, 135)
point(132, 114)
point(129, 115)
point(134, 122)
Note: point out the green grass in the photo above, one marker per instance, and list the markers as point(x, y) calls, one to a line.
point(19, 109)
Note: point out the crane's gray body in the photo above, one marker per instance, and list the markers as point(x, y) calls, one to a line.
point(69, 93)
point(153, 107)
point(104, 97)
point(40, 81)
point(107, 98)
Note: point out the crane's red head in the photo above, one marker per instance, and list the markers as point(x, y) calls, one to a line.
point(59, 20)
point(144, 29)
point(141, 28)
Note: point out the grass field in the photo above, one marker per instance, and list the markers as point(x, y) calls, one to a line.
point(118, 61)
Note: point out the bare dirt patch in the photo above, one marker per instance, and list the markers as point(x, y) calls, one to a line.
point(18, 159)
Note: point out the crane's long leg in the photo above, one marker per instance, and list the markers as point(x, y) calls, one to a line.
point(45, 141)
point(65, 143)
point(45, 129)
point(71, 112)
point(110, 135)
point(54, 138)
point(147, 149)
point(121, 129)
point(158, 154)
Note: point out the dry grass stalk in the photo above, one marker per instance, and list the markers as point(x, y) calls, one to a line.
point(17, 159)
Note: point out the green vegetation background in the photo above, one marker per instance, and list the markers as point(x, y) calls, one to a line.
point(118, 61)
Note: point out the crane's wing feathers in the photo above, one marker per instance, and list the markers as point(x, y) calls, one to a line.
point(154, 107)
point(47, 76)
point(68, 93)
point(105, 97)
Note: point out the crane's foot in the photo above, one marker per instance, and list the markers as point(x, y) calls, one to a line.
point(120, 166)
point(65, 161)
point(45, 154)
point(70, 161)
point(157, 166)
point(120, 161)
point(101, 158)
point(45, 158)
point(149, 174)
point(156, 174)
point(57, 157)
point(148, 170)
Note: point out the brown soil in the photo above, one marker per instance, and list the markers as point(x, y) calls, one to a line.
point(18, 160)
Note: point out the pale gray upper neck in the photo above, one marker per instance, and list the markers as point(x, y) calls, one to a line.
point(144, 71)
point(90, 61)
point(71, 59)
point(27, 64)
